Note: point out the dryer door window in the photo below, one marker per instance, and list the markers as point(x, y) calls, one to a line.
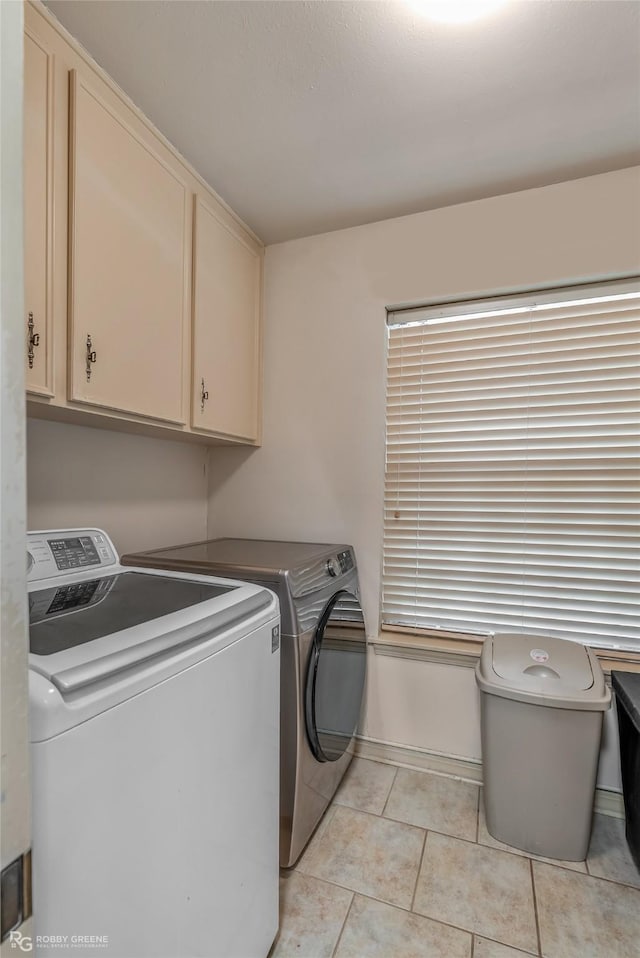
point(335, 678)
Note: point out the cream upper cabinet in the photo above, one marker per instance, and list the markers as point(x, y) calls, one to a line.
point(129, 269)
point(148, 286)
point(38, 214)
point(227, 267)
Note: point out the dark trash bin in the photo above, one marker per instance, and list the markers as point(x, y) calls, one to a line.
point(626, 685)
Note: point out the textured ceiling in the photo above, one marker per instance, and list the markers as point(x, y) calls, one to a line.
point(308, 117)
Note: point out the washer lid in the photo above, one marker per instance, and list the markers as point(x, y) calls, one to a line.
point(76, 683)
point(561, 664)
point(125, 622)
point(76, 612)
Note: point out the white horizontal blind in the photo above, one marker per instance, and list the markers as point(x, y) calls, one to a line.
point(512, 495)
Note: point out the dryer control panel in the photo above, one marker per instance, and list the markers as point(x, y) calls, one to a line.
point(70, 551)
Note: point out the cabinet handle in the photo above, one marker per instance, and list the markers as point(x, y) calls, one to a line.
point(204, 395)
point(91, 357)
point(34, 340)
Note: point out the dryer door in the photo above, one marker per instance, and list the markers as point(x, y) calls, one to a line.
point(335, 677)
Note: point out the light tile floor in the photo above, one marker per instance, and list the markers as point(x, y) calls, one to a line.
point(402, 866)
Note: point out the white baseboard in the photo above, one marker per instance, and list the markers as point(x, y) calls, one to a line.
point(606, 802)
point(468, 769)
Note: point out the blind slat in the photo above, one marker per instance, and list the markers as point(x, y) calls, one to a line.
point(512, 486)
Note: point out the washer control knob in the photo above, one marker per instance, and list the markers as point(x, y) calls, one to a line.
point(333, 567)
point(30, 562)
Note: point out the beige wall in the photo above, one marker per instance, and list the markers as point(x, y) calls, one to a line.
point(319, 473)
point(144, 492)
point(436, 708)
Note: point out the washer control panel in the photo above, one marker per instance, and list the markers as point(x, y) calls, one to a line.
point(68, 551)
point(74, 553)
point(345, 561)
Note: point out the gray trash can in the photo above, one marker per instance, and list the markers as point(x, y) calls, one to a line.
point(542, 702)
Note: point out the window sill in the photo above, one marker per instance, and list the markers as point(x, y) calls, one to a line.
point(465, 653)
point(427, 648)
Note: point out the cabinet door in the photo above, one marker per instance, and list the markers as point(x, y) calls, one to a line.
point(226, 333)
point(38, 214)
point(129, 277)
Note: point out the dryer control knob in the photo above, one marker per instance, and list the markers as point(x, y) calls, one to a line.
point(333, 567)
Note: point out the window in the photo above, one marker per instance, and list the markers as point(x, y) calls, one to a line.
point(512, 489)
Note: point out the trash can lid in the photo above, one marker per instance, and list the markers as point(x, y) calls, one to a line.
point(565, 665)
point(542, 670)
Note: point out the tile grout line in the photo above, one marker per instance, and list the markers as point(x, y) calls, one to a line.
point(495, 941)
point(438, 921)
point(535, 907)
point(420, 863)
point(550, 864)
point(320, 828)
point(384, 807)
point(587, 874)
point(507, 851)
point(410, 910)
point(429, 828)
point(516, 854)
point(416, 914)
point(346, 917)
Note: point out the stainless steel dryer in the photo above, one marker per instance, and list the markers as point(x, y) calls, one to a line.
point(323, 660)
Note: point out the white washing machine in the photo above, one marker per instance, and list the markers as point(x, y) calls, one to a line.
point(155, 725)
